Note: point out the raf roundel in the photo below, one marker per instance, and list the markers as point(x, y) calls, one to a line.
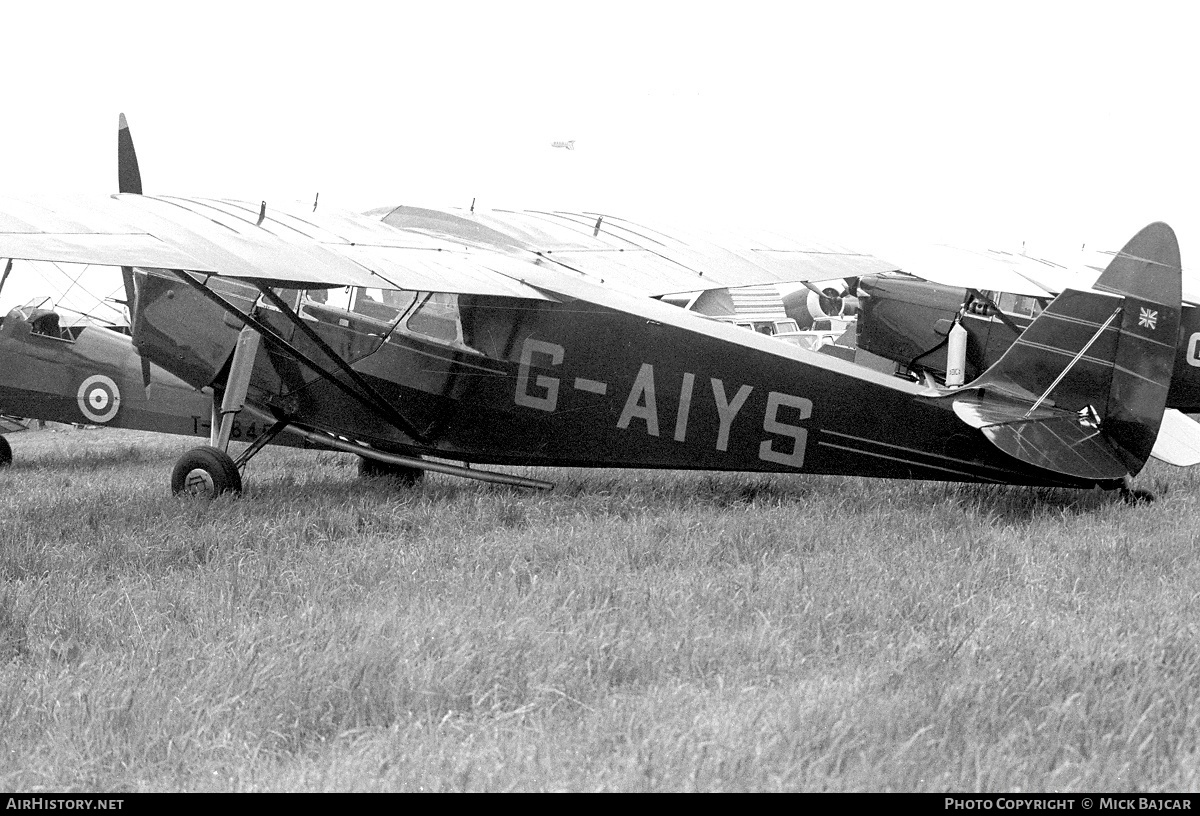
point(99, 398)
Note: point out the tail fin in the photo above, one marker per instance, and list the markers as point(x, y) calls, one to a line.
point(1082, 391)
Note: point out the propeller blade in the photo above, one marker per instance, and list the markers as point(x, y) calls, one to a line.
point(129, 177)
point(129, 180)
point(993, 309)
point(830, 298)
point(4, 277)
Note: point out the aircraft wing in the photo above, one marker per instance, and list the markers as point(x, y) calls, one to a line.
point(999, 271)
point(229, 239)
point(994, 271)
point(639, 258)
point(292, 246)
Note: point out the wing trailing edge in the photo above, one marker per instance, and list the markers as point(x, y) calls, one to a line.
point(1083, 390)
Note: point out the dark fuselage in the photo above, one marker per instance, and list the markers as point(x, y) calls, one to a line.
point(631, 383)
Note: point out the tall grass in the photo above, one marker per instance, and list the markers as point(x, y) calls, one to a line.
point(627, 631)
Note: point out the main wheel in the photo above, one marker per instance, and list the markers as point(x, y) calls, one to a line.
point(403, 475)
point(205, 472)
point(5, 453)
point(1135, 495)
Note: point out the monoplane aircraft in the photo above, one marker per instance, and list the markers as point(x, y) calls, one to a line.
point(423, 339)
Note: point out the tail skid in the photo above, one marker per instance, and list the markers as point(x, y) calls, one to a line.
point(1082, 391)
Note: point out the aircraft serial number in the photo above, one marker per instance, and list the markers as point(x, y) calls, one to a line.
point(642, 404)
point(239, 431)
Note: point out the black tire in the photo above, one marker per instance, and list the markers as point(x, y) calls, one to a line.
point(5, 453)
point(205, 472)
point(1134, 495)
point(403, 475)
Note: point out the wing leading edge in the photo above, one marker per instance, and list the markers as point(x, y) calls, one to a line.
point(408, 248)
point(332, 249)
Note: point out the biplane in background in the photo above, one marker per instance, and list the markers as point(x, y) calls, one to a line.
point(994, 297)
point(422, 339)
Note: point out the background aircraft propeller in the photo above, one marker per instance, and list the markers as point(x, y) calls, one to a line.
point(129, 180)
point(834, 299)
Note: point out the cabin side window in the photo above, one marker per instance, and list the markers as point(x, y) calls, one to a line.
point(289, 296)
point(384, 305)
point(437, 316)
point(1022, 305)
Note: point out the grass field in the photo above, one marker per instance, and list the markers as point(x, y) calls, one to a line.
point(626, 631)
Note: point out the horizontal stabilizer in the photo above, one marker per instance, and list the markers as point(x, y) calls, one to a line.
point(1050, 438)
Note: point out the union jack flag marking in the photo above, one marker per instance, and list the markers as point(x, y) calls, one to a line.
point(1147, 317)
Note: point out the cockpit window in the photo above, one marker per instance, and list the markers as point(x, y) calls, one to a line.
point(338, 298)
point(437, 317)
point(385, 305)
point(432, 315)
point(289, 296)
point(1022, 305)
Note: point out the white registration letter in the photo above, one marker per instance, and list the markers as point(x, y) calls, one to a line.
point(685, 406)
point(1193, 357)
point(634, 407)
point(773, 426)
point(727, 410)
point(549, 401)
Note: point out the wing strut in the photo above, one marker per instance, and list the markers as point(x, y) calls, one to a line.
point(308, 332)
point(370, 398)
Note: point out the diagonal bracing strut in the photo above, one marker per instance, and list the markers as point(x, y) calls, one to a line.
point(1077, 358)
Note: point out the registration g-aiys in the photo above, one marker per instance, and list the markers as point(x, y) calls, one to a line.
point(439, 340)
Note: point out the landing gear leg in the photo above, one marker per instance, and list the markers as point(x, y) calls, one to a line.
point(209, 471)
point(5, 453)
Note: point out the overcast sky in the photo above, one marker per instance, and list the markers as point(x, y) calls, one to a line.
point(981, 124)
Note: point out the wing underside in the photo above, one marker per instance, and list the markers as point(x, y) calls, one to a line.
point(638, 257)
point(285, 247)
point(425, 250)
